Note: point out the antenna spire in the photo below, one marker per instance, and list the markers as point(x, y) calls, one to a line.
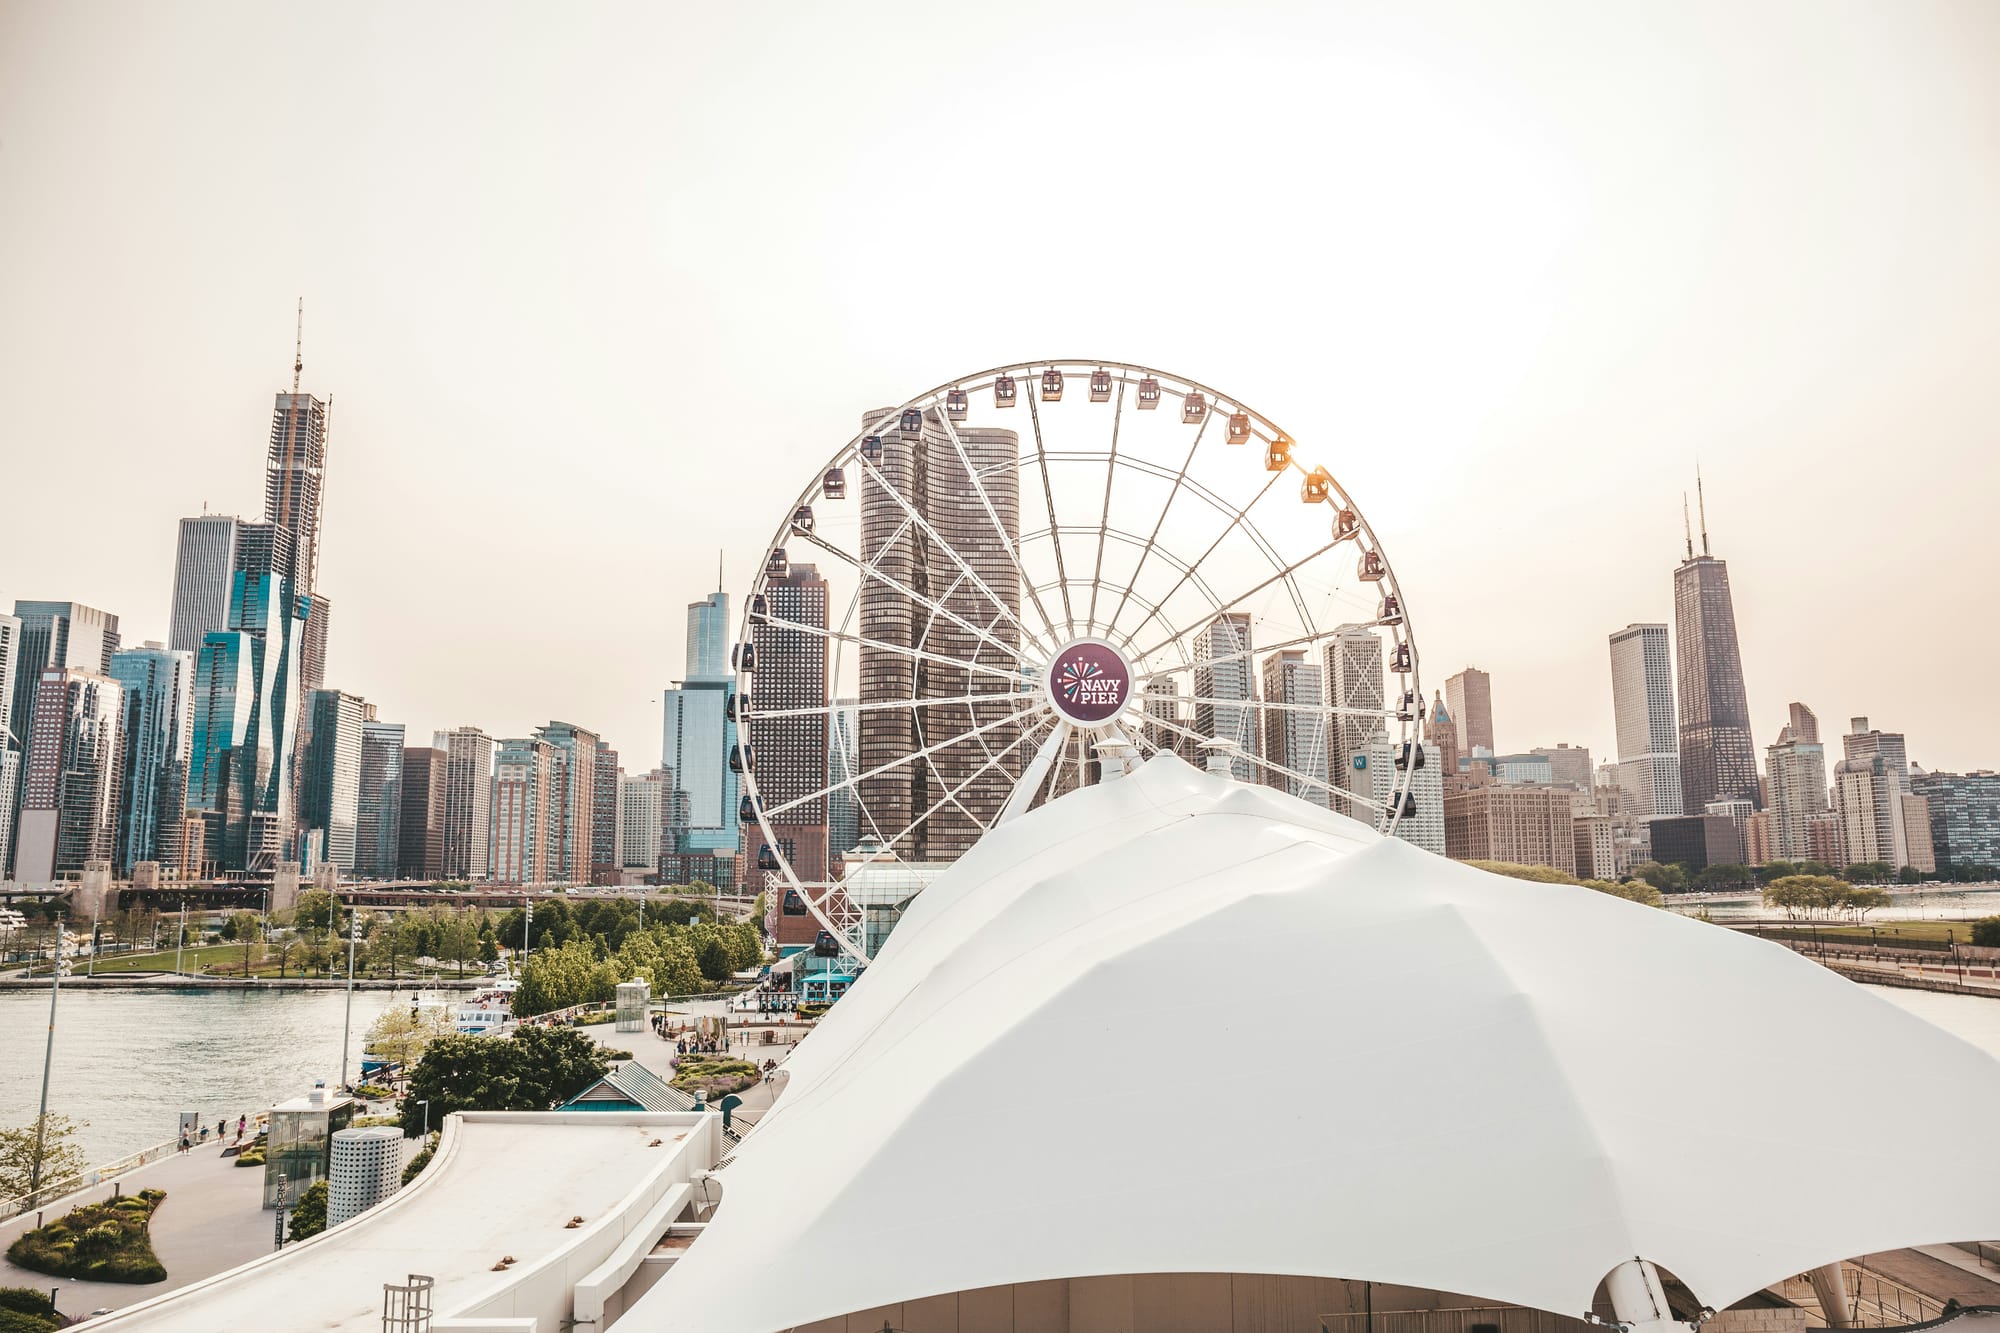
point(1702, 502)
point(718, 570)
point(299, 349)
point(1685, 527)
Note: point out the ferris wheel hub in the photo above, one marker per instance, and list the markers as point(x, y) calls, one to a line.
point(1088, 682)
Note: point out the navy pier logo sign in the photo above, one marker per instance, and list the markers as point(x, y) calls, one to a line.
point(1089, 682)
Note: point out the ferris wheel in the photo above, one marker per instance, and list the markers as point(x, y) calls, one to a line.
point(1029, 580)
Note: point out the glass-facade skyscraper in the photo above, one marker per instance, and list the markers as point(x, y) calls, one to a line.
point(1718, 758)
point(332, 786)
point(248, 705)
point(378, 802)
point(157, 737)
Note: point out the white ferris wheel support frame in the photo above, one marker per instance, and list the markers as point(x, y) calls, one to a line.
point(1027, 705)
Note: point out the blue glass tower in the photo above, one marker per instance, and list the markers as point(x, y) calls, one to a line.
point(157, 733)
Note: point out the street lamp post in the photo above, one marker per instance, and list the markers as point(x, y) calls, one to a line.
point(48, 1060)
point(347, 1023)
point(180, 936)
point(425, 1103)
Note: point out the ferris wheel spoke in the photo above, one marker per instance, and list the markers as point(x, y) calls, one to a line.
point(993, 761)
point(917, 654)
point(1180, 480)
point(923, 525)
point(1011, 543)
point(869, 571)
point(872, 705)
point(1105, 517)
point(1049, 497)
point(1245, 596)
point(1213, 546)
point(1302, 641)
point(923, 753)
point(1387, 714)
point(1249, 756)
point(1036, 774)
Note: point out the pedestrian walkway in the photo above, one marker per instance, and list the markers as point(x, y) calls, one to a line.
point(211, 1221)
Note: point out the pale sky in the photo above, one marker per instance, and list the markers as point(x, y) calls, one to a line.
point(597, 289)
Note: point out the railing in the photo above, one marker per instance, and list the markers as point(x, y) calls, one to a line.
point(1463, 1319)
point(1893, 1303)
point(83, 1180)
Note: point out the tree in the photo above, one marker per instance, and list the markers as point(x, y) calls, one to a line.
point(286, 946)
point(1806, 895)
point(1723, 879)
point(1665, 878)
point(61, 1159)
point(309, 1214)
point(489, 950)
point(1986, 932)
point(315, 912)
point(1862, 901)
point(401, 1034)
point(1869, 872)
point(713, 957)
point(533, 1070)
point(1909, 875)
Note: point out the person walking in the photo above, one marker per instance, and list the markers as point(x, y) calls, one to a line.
point(241, 1122)
point(184, 1141)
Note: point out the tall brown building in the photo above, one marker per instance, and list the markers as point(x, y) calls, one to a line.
point(1469, 695)
point(1718, 759)
point(420, 839)
point(574, 800)
point(604, 817)
point(791, 754)
point(952, 796)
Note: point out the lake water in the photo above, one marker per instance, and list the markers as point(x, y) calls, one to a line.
point(1966, 904)
point(129, 1061)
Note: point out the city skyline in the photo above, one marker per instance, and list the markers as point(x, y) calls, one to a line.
point(464, 405)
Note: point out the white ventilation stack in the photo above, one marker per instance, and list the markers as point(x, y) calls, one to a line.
point(367, 1168)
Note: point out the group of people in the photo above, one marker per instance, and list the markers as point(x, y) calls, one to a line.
point(188, 1140)
point(698, 1046)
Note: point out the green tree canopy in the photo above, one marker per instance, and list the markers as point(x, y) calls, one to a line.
point(533, 1070)
point(309, 1213)
point(1805, 895)
point(60, 1158)
point(1665, 878)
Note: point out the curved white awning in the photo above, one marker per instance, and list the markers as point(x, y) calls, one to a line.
point(1176, 1023)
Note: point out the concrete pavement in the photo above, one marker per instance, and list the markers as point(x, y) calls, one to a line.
point(211, 1220)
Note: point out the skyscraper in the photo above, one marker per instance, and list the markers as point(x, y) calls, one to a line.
point(50, 635)
point(1796, 768)
point(420, 834)
point(947, 799)
point(642, 821)
point(1224, 691)
point(1441, 730)
point(1424, 828)
point(1469, 694)
point(527, 775)
point(1718, 758)
point(468, 796)
point(1523, 825)
point(791, 752)
point(204, 571)
point(331, 802)
point(843, 810)
point(248, 708)
point(1885, 755)
point(604, 817)
point(157, 738)
point(1964, 814)
point(1354, 673)
point(708, 636)
point(378, 799)
point(69, 800)
point(1642, 701)
point(1870, 808)
point(696, 737)
point(11, 745)
point(1295, 734)
point(576, 751)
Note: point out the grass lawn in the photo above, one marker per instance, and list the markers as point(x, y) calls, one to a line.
point(1885, 932)
point(193, 959)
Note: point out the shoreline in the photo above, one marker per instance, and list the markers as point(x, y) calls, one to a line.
point(173, 981)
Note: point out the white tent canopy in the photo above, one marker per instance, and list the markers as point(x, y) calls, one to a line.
point(1178, 1024)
